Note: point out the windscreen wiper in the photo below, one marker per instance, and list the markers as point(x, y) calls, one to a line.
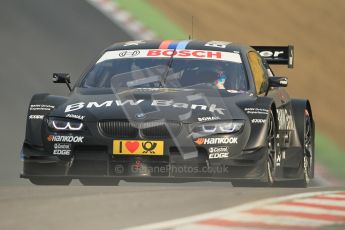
point(169, 64)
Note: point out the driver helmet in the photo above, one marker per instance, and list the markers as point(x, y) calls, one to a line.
point(221, 77)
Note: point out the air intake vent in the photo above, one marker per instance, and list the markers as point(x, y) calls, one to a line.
point(122, 129)
point(149, 130)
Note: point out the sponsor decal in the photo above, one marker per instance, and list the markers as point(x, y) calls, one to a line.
point(199, 141)
point(218, 149)
point(283, 82)
point(75, 116)
point(208, 118)
point(149, 146)
point(163, 90)
point(256, 111)
point(216, 140)
point(171, 44)
point(177, 45)
point(218, 155)
point(218, 152)
point(62, 146)
point(63, 152)
point(185, 53)
point(258, 121)
point(36, 117)
point(159, 103)
point(268, 54)
point(129, 53)
point(168, 44)
point(217, 44)
point(69, 139)
point(168, 52)
point(62, 149)
point(41, 107)
point(138, 147)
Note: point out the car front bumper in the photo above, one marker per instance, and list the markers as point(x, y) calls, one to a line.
point(96, 161)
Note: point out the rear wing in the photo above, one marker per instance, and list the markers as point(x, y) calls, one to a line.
point(278, 55)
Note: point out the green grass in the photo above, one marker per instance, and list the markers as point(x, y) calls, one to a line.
point(327, 152)
point(330, 155)
point(153, 19)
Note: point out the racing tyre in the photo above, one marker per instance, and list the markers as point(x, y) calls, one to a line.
point(99, 181)
point(309, 148)
point(269, 167)
point(306, 169)
point(50, 181)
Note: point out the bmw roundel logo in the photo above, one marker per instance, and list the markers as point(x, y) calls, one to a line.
point(140, 115)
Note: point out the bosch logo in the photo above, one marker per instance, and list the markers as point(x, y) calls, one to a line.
point(129, 53)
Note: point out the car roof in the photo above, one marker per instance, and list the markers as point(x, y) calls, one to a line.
point(181, 44)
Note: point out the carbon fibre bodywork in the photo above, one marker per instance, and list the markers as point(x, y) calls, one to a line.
point(146, 118)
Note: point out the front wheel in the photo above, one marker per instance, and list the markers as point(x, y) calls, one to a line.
point(272, 150)
point(305, 171)
point(309, 148)
point(267, 179)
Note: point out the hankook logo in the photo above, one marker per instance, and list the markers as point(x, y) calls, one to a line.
point(216, 140)
point(68, 139)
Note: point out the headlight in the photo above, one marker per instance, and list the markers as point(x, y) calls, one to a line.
point(60, 124)
point(211, 128)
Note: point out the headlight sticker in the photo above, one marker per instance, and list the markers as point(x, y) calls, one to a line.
point(58, 124)
point(211, 128)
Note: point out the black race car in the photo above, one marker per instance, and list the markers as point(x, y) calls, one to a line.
point(173, 110)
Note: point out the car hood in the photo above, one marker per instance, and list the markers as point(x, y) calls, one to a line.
point(186, 105)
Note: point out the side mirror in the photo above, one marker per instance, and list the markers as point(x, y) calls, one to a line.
point(62, 78)
point(278, 81)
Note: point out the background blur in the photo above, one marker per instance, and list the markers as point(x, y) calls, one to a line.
point(314, 27)
point(39, 37)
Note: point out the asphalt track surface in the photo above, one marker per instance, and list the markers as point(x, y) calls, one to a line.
point(37, 38)
point(41, 37)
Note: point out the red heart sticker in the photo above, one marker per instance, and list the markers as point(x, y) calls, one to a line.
point(132, 146)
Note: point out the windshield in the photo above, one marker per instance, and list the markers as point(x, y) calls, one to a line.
point(156, 69)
